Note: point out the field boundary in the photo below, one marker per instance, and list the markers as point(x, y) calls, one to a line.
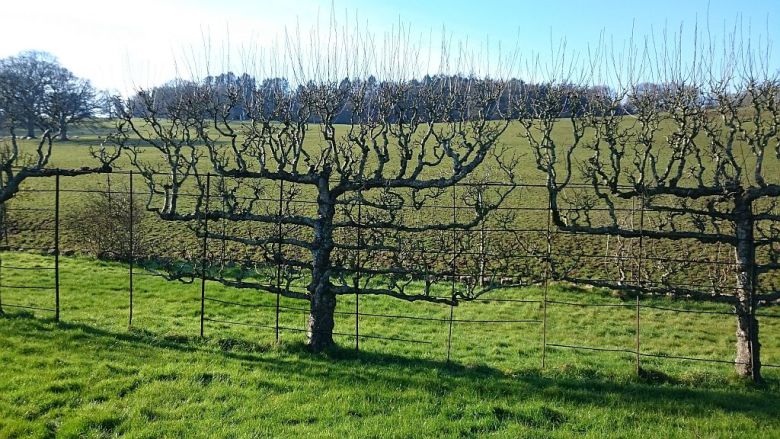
point(543, 258)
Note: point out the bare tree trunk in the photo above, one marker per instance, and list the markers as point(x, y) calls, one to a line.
point(63, 130)
point(172, 191)
point(323, 301)
point(320, 328)
point(30, 125)
point(748, 347)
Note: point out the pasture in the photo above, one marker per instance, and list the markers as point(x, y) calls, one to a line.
point(76, 153)
point(91, 376)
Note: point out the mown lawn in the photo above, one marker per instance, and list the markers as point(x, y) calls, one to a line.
point(91, 376)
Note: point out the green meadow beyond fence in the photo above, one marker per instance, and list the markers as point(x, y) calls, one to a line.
point(513, 272)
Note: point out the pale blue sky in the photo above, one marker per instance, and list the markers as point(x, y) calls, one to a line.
point(120, 44)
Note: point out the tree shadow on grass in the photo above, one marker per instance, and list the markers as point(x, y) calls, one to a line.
point(350, 368)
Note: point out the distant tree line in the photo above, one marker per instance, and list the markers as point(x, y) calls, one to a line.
point(247, 95)
point(38, 95)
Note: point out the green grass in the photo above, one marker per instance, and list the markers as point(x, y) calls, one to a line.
point(91, 376)
point(156, 233)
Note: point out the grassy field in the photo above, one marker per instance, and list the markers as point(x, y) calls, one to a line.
point(34, 225)
point(91, 376)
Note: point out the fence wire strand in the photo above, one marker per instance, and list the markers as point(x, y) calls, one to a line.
point(456, 274)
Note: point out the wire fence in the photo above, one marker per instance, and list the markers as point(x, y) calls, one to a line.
point(540, 257)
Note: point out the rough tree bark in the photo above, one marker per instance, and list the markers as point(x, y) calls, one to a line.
point(63, 125)
point(748, 362)
point(323, 301)
point(30, 126)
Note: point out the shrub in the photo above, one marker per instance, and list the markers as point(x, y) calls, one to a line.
point(101, 224)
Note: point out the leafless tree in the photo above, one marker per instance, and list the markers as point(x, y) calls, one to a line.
point(39, 93)
point(403, 147)
point(30, 99)
point(698, 157)
point(26, 79)
point(17, 163)
point(71, 100)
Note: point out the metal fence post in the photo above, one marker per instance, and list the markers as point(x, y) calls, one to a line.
point(4, 231)
point(203, 255)
point(755, 360)
point(547, 273)
point(57, 247)
point(639, 280)
point(5, 224)
point(132, 248)
point(638, 363)
point(454, 253)
point(357, 273)
point(108, 187)
point(279, 256)
point(223, 190)
point(1, 271)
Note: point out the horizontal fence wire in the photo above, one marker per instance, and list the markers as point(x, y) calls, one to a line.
point(385, 316)
point(37, 308)
point(11, 267)
point(682, 310)
point(650, 355)
point(27, 209)
point(591, 348)
point(768, 316)
point(582, 304)
point(147, 273)
point(455, 271)
point(340, 334)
